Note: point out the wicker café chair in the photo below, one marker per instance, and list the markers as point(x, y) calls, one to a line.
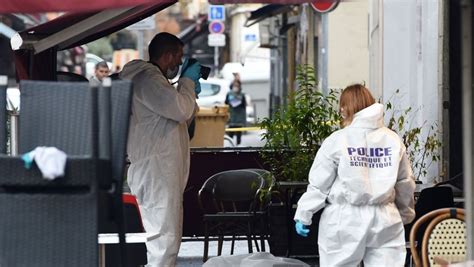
point(55, 223)
point(444, 240)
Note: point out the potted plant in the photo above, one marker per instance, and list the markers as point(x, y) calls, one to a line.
point(295, 132)
point(293, 136)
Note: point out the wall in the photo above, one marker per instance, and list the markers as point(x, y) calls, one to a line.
point(410, 59)
point(348, 52)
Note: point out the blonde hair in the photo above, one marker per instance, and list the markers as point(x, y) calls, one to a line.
point(354, 98)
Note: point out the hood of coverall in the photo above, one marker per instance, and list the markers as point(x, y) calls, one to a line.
point(134, 67)
point(370, 117)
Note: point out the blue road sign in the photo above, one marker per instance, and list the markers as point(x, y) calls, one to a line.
point(216, 26)
point(250, 37)
point(216, 12)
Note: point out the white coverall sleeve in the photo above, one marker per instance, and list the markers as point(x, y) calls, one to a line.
point(162, 98)
point(321, 177)
point(405, 189)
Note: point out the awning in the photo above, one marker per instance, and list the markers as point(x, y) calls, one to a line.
point(266, 12)
point(75, 29)
point(281, 2)
point(36, 6)
point(188, 33)
point(36, 47)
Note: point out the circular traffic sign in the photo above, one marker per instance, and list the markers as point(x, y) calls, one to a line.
point(324, 6)
point(216, 26)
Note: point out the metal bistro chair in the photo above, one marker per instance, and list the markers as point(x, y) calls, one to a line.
point(262, 211)
point(235, 210)
point(444, 240)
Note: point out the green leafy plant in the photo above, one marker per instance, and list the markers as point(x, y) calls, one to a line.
point(422, 142)
point(295, 132)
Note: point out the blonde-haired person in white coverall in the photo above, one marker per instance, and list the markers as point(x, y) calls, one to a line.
point(158, 142)
point(362, 178)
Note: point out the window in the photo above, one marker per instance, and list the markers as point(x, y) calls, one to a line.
point(208, 89)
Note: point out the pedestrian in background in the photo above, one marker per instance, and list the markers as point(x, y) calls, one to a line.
point(101, 71)
point(362, 178)
point(237, 103)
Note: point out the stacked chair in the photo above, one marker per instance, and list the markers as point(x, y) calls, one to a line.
point(56, 222)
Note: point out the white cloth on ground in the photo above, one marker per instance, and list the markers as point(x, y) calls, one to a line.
point(259, 259)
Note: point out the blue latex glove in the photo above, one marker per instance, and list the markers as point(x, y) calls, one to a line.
point(27, 160)
point(192, 71)
point(197, 89)
point(301, 229)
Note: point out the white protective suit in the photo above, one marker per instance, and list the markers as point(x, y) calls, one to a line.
point(363, 179)
point(158, 149)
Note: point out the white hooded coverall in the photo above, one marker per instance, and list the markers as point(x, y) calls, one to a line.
point(158, 149)
point(363, 179)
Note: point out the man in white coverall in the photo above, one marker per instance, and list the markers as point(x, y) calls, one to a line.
point(158, 142)
point(363, 179)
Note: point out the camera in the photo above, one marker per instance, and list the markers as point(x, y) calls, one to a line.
point(205, 71)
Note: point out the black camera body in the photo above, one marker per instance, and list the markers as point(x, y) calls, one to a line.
point(205, 71)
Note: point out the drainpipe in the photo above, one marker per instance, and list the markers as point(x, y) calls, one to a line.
point(468, 109)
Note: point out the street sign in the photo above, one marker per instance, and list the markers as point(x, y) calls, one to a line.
point(216, 12)
point(216, 39)
point(250, 37)
point(324, 6)
point(216, 26)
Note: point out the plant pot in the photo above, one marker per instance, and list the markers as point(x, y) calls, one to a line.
point(281, 224)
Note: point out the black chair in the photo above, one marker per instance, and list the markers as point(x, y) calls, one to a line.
point(66, 115)
point(64, 76)
point(433, 198)
point(456, 183)
point(236, 209)
point(54, 223)
point(3, 116)
point(60, 114)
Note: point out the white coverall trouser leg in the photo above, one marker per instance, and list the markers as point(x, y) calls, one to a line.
point(160, 198)
point(168, 243)
point(351, 234)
